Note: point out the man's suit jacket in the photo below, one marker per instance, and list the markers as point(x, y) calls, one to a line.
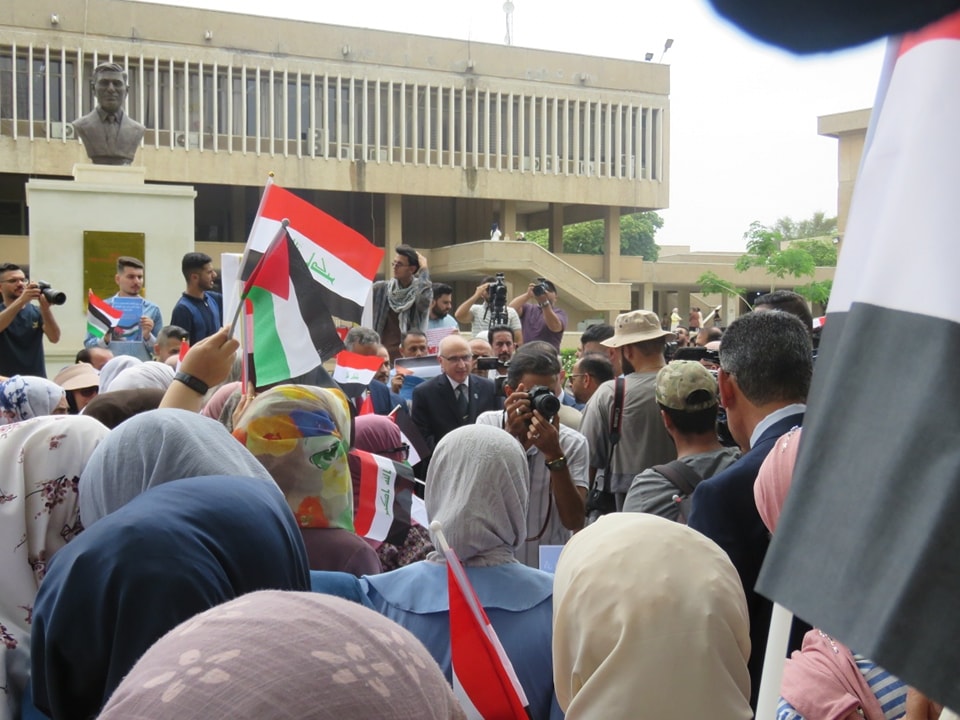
point(725, 511)
point(434, 407)
point(384, 401)
point(102, 147)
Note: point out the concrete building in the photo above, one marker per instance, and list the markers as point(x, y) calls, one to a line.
point(407, 139)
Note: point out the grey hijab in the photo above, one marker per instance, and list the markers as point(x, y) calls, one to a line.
point(156, 447)
point(478, 489)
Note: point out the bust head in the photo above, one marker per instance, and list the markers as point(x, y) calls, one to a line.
point(110, 86)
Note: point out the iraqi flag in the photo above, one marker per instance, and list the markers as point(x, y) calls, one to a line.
point(484, 680)
point(867, 547)
point(101, 317)
point(293, 331)
point(354, 372)
point(341, 261)
point(384, 498)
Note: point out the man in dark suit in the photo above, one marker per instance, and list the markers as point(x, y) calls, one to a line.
point(765, 370)
point(454, 398)
point(109, 135)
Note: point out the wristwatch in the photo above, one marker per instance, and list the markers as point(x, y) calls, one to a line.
point(559, 464)
point(544, 303)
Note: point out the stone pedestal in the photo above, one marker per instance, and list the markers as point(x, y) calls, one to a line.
point(105, 198)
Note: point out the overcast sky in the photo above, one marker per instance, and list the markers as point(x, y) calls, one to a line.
point(744, 143)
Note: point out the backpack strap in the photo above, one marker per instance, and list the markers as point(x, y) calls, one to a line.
point(683, 477)
point(616, 422)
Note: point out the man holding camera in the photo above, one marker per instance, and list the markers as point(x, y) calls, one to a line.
point(557, 456)
point(479, 309)
point(540, 317)
point(23, 324)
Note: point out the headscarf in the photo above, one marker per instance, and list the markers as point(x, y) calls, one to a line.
point(478, 489)
point(150, 374)
point(113, 367)
point(649, 621)
point(272, 654)
point(40, 465)
point(774, 478)
point(376, 434)
point(214, 406)
point(161, 559)
point(301, 434)
point(154, 448)
point(24, 396)
point(117, 406)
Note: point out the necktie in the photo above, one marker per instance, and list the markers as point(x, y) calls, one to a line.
point(463, 402)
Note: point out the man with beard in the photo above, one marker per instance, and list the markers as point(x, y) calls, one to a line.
point(199, 311)
point(403, 302)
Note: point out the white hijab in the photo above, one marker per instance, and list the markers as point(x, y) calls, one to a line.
point(25, 396)
point(477, 489)
point(156, 447)
point(40, 465)
point(649, 622)
point(113, 367)
point(145, 375)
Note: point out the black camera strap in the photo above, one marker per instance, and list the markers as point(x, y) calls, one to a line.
point(616, 421)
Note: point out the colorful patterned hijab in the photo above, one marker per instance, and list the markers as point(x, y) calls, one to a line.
point(40, 465)
point(23, 397)
point(301, 434)
point(286, 654)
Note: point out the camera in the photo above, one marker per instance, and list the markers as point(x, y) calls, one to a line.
point(497, 299)
point(544, 401)
point(489, 363)
point(54, 297)
point(540, 289)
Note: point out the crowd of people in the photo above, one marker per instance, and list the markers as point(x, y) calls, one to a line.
point(177, 544)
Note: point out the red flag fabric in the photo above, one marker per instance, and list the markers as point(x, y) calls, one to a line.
point(482, 673)
point(366, 407)
point(354, 372)
point(384, 498)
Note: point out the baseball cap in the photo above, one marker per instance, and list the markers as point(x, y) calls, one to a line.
point(686, 385)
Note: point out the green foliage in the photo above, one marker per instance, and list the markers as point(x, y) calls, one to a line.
point(567, 359)
point(637, 233)
point(800, 258)
point(712, 284)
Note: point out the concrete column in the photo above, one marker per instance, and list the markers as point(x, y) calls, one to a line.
point(683, 303)
point(508, 218)
point(611, 246)
point(556, 228)
point(238, 213)
point(393, 231)
point(646, 296)
point(728, 309)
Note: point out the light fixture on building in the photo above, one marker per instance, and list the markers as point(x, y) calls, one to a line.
point(583, 78)
point(666, 46)
point(54, 19)
point(648, 57)
point(470, 65)
point(345, 50)
point(208, 35)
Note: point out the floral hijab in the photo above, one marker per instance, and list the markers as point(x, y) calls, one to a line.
point(301, 434)
point(24, 397)
point(40, 465)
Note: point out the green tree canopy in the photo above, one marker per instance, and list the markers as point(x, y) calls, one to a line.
point(637, 232)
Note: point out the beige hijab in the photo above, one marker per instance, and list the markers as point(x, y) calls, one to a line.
point(649, 622)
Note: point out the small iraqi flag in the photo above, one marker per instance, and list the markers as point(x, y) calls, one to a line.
point(354, 372)
point(384, 498)
point(101, 317)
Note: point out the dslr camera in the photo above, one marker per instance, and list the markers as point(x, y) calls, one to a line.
point(544, 401)
point(540, 289)
point(54, 297)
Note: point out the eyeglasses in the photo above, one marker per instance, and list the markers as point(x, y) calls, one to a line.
point(571, 376)
point(403, 451)
point(458, 358)
point(15, 280)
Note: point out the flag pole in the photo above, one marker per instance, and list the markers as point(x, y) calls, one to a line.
point(281, 233)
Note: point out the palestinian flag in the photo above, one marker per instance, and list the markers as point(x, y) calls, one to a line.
point(100, 316)
point(354, 372)
point(382, 510)
point(867, 547)
point(340, 260)
point(293, 332)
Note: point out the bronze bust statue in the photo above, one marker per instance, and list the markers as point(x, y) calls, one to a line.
point(109, 135)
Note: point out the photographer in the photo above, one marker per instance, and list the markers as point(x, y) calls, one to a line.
point(23, 325)
point(540, 317)
point(558, 457)
point(478, 309)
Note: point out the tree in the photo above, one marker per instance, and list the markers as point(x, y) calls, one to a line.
point(637, 233)
point(712, 284)
point(800, 258)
